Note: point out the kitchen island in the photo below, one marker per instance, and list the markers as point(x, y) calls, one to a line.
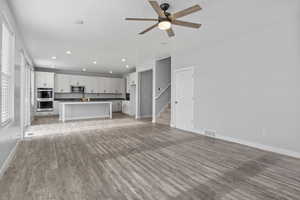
point(84, 110)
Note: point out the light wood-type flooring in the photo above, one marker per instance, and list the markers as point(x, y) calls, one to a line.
point(146, 161)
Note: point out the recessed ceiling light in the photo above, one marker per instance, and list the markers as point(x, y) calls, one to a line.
point(84, 69)
point(68, 52)
point(123, 59)
point(95, 62)
point(53, 57)
point(110, 72)
point(127, 66)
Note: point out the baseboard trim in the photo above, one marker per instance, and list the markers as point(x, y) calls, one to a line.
point(8, 160)
point(145, 116)
point(253, 144)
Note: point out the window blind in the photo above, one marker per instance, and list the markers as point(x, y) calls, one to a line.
point(6, 80)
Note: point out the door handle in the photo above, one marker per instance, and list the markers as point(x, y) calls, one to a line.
point(176, 102)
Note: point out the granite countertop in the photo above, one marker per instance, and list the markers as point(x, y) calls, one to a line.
point(91, 99)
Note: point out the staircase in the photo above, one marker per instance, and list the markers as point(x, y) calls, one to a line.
point(165, 116)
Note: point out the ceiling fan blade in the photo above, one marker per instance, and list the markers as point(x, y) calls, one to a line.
point(186, 24)
point(148, 29)
point(170, 32)
point(141, 19)
point(157, 9)
point(186, 11)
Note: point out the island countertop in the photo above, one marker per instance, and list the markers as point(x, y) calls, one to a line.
point(91, 99)
point(85, 102)
point(84, 110)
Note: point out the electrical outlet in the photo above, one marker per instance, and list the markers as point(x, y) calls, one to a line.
point(210, 133)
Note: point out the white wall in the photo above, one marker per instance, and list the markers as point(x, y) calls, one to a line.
point(10, 134)
point(247, 87)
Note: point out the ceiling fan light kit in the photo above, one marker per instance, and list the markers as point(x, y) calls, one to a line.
point(165, 19)
point(164, 25)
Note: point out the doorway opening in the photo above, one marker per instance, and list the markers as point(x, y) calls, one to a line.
point(145, 109)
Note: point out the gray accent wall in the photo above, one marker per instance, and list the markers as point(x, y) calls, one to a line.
point(162, 74)
point(146, 90)
point(162, 80)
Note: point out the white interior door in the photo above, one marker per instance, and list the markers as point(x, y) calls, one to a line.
point(184, 103)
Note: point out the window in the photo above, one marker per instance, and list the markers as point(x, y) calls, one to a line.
point(6, 75)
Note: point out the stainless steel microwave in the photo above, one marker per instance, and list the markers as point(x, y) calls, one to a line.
point(77, 89)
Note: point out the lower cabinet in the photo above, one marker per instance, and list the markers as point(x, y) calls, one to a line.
point(117, 106)
point(126, 107)
point(56, 108)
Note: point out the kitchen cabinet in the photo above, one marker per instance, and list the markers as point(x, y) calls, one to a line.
point(126, 107)
point(44, 79)
point(78, 80)
point(100, 86)
point(122, 85)
point(131, 79)
point(116, 106)
point(91, 85)
point(108, 85)
point(56, 108)
point(116, 85)
point(128, 84)
point(62, 83)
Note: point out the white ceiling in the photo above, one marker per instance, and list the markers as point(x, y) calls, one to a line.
point(49, 29)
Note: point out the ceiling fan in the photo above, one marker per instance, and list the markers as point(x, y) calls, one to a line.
point(166, 19)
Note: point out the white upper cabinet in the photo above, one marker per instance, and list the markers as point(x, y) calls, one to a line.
point(121, 85)
point(78, 80)
point(63, 83)
point(44, 79)
point(117, 85)
point(133, 78)
point(100, 85)
point(114, 85)
point(92, 84)
point(108, 85)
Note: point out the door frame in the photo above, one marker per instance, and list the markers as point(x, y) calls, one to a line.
point(193, 99)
